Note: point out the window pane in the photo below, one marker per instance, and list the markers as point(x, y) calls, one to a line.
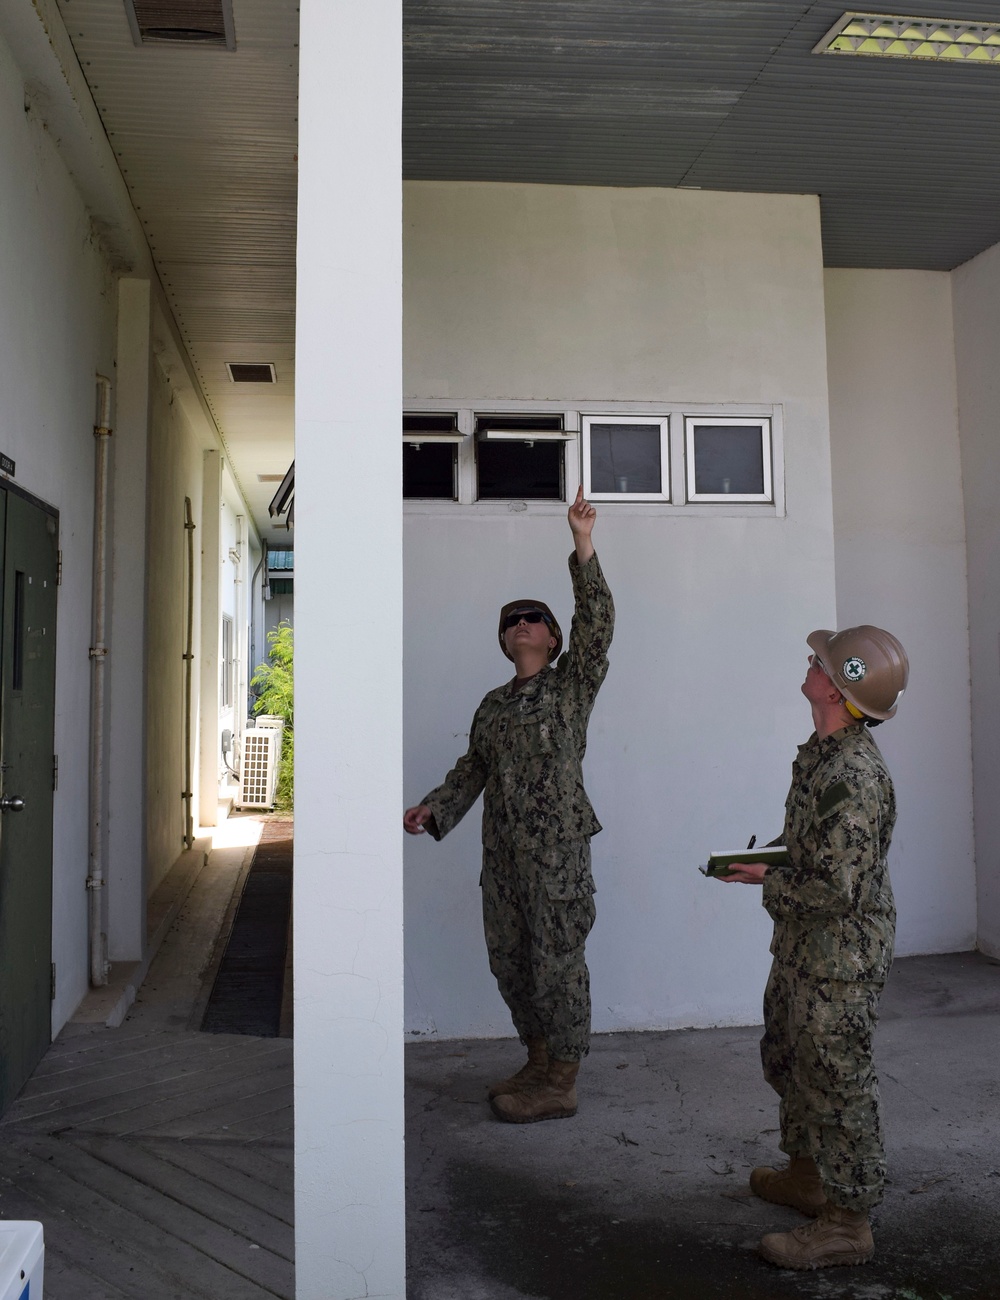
point(429, 470)
point(517, 470)
point(541, 423)
point(429, 422)
point(728, 458)
point(625, 458)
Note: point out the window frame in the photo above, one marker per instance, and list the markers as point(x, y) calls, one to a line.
point(501, 434)
point(588, 419)
point(691, 424)
point(227, 658)
point(415, 438)
point(572, 411)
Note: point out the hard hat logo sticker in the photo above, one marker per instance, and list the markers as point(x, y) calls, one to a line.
point(854, 669)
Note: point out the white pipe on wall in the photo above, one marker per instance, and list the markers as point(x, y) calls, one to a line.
point(98, 660)
point(242, 630)
point(187, 794)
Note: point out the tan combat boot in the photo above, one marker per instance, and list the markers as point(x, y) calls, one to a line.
point(555, 1098)
point(835, 1237)
point(797, 1185)
point(529, 1075)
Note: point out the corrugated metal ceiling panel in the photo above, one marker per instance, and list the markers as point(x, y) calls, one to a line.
point(718, 94)
point(206, 141)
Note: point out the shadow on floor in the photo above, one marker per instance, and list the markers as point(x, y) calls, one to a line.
point(643, 1196)
point(248, 991)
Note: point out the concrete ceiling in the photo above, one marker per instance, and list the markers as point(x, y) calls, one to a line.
point(711, 94)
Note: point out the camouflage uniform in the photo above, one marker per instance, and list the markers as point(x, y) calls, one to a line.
point(834, 925)
point(525, 753)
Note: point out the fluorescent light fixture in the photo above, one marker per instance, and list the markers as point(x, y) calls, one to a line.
point(891, 36)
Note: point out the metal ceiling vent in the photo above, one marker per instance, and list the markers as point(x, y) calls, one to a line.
point(188, 22)
point(251, 372)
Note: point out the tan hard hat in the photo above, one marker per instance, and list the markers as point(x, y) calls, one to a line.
point(550, 619)
point(866, 664)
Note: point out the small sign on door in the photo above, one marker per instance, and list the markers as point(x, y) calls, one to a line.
point(6, 464)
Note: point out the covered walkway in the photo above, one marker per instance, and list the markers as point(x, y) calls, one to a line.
point(158, 1157)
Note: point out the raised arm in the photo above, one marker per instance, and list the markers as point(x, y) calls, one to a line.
point(582, 517)
point(586, 659)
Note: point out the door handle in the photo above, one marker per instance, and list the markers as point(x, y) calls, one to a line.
point(11, 803)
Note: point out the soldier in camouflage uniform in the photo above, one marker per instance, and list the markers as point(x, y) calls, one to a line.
point(526, 748)
point(834, 926)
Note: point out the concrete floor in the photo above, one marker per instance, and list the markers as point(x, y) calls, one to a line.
point(643, 1196)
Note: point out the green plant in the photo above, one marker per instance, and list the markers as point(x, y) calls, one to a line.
point(274, 685)
point(273, 681)
point(284, 793)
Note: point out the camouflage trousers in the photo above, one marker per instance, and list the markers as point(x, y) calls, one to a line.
point(817, 1055)
point(538, 908)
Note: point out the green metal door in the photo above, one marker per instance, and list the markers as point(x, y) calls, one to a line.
point(27, 708)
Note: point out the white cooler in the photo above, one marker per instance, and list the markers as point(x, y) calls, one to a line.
point(22, 1258)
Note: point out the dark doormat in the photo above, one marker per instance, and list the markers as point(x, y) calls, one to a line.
point(246, 997)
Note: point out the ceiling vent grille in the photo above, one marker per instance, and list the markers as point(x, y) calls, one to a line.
point(187, 22)
point(251, 372)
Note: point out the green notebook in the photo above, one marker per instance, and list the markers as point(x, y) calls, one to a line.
point(776, 855)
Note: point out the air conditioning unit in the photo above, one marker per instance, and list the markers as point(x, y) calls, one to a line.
point(259, 765)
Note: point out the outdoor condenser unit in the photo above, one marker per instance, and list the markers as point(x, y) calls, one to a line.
point(259, 765)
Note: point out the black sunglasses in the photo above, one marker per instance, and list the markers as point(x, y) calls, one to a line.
point(529, 616)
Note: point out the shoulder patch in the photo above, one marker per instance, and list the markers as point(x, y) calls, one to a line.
point(833, 798)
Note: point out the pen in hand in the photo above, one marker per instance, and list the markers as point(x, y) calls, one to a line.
point(753, 841)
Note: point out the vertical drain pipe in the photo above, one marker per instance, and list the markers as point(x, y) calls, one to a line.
point(98, 661)
point(187, 796)
point(242, 634)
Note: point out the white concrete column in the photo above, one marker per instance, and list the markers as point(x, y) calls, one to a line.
point(207, 803)
point(127, 632)
point(349, 1207)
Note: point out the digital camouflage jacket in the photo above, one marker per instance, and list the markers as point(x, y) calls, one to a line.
point(526, 746)
point(832, 906)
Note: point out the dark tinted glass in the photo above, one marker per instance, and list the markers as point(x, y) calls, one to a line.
point(625, 458)
point(728, 458)
point(429, 422)
point(546, 423)
point(517, 470)
point(429, 470)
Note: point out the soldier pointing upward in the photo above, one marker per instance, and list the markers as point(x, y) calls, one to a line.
point(526, 748)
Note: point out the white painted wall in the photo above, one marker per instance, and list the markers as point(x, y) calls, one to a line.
point(231, 568)
point(175, 472)
point(349, 1216)
point(57, 329)
point(127, 604)
point(976, 296)
point(900, 547)
point(577, 294)
point(279, 609)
